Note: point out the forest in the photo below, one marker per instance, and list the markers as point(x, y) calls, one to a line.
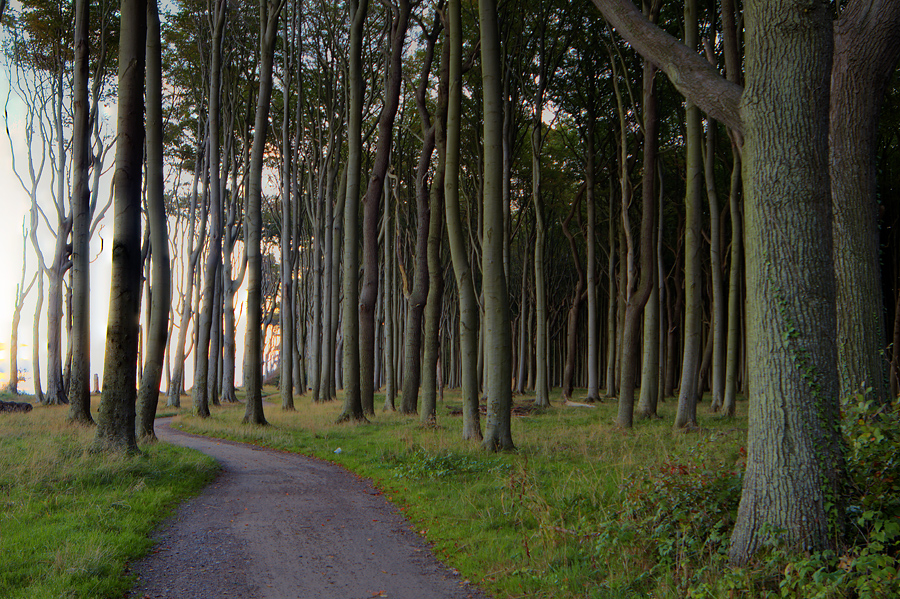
point(377, 203)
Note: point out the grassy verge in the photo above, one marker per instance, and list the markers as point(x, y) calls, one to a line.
point(545, 521)
point(70, 521)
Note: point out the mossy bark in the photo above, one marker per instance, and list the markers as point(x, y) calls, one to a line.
point(792, 486)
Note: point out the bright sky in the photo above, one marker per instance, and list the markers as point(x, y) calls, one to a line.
point(15, 207)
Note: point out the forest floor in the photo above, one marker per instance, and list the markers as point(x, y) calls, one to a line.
point(280, 525)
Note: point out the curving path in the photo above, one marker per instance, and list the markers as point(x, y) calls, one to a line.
point(284, 526)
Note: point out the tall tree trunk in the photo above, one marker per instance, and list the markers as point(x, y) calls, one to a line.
point(200, 395)
point(735, 279)
point(390, 386)
point(468, 307)
point(326, 375)
point(593, 325)
point(286, 350)
point(612, 383)
point(412, 365)
point(866, 51)
point(372, 209)
point(654, 348)
point(795, 467)
point(176, 383)
point(686, 416)
point(718, 323)
point(80, 337)
point(148, 396)
point(115, 417)
point(353, 407)
point(637, 299)
point(496, 297)
point(578, 296)
point(433, 307)
point(253, 362)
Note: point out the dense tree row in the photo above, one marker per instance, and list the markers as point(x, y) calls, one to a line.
point(320, 153)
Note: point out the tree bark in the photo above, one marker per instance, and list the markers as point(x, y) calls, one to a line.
point(200, 395)
point(433, 311)
point(353, 408)
point(115, 416)
point(686, 417)
point(80, 336)
point(372, 209)
point(148, 397)
point(468, 306)
point(866, 51)
point(795, 467)
point(637, 299)
point(253, 362)
point(496, 297)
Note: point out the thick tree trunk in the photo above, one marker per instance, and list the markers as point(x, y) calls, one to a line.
point(866, 51)
point(416, 302)
point(115, 416)
point(795, 467)
point(649, 262)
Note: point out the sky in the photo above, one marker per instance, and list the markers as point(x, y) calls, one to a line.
point(14, 208)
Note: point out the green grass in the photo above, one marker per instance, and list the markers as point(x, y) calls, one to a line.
point(70, 521)
point(522, 524)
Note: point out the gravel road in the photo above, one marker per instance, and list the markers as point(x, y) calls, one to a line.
point(283, 526)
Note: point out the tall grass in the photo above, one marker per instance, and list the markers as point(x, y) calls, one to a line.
point(523, 524)
point(69, 520)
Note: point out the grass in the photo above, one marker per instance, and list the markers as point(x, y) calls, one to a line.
point(532, 523)
point(70, 521)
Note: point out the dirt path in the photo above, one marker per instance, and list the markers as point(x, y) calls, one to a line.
point(282, 526)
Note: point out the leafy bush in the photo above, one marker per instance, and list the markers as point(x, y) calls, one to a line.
point(679, 515)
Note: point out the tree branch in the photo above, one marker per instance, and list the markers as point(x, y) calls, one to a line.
point(689, 72)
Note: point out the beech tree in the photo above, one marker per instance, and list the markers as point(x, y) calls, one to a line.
point(116, 414)
point(353, 407)
point(795, 463)
point(497, 342)
point(269, 13)
point(468, 307)
point(160, 285)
